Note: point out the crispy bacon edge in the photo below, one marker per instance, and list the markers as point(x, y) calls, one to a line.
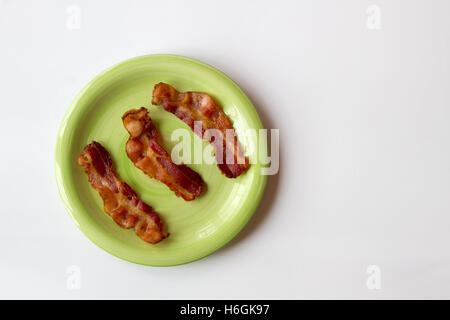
point(120, 201)
point(198, 106)
point(148, 155)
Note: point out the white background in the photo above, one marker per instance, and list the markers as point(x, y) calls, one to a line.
point(364, 120)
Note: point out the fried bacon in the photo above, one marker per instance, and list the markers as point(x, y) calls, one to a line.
point(148, 155)
point(199, 107)
point(119, 199)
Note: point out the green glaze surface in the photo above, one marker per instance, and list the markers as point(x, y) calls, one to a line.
point(197, 228)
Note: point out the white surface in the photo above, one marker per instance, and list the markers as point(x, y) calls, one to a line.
point(365, 159)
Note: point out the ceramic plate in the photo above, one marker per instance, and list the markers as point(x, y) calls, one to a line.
point(197, 228)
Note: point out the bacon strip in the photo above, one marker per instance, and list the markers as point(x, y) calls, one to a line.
point(119, 199)
point(198, 106)
point(148, 155)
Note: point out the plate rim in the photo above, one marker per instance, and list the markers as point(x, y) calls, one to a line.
point(59, 175)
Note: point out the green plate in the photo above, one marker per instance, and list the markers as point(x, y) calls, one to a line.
point(197, 228)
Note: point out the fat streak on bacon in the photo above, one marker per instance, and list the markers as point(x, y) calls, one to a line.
point(198, 106)
point(119, 199)
point(148, 155)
